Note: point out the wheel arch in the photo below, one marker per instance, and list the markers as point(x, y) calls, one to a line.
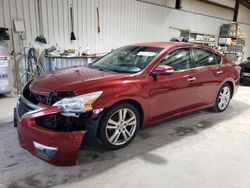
point(230, 83)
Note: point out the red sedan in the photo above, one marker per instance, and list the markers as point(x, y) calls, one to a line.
point(110, 100)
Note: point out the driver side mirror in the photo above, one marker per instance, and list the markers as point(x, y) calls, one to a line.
point(248, 58)
point(163, 70)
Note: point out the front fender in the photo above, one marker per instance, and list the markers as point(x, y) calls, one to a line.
point(114, 95)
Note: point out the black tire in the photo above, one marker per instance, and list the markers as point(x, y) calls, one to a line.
point(217, 108)
point(110, 113)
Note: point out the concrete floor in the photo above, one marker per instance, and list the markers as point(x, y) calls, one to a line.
point(203, 149)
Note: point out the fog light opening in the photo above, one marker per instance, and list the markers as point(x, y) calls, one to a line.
point(45, 151)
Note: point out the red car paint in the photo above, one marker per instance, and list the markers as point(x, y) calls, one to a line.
point(173, 93)
point(28, 132)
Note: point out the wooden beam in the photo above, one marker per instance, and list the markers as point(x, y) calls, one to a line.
point(178, 4)
point(217, 4)
point(236, 10)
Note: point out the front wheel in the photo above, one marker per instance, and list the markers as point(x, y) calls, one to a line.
point(223, 98)
point(119, 126)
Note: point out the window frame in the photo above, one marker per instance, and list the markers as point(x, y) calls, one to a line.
point(177, 48)
point(191, 53)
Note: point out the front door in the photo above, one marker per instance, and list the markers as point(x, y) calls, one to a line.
point(172, 94)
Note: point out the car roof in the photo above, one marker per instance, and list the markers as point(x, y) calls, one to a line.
point(168, 45)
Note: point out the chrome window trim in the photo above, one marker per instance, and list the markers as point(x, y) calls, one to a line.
point(17, 114)
point(28, 103)
point(188, 47)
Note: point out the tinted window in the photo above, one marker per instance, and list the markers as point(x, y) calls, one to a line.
point(203, 57)
point(179, 59)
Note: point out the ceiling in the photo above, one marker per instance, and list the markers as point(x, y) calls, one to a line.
point(248, 1)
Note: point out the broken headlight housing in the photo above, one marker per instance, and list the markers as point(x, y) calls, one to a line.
point(79, 104)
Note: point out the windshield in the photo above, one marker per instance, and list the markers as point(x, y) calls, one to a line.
point(129, 59)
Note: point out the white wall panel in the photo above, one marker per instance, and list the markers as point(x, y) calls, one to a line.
point(121, 21)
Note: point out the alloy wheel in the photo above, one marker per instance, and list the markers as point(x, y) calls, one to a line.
point(121, 126)
point(224, 97)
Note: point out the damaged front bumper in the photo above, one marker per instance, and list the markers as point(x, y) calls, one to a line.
point(53, 146)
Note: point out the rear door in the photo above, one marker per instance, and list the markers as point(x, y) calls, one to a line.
point(209, 75)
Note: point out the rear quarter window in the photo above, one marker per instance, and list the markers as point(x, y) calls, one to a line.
point(218, 58)
point(203, 57)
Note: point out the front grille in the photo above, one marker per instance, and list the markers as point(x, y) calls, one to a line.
point(24, 106)
point(44, 99)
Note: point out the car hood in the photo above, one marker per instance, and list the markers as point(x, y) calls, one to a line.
point(77, 79)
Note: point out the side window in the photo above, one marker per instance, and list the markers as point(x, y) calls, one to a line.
point(203, 57)
point(179, 59)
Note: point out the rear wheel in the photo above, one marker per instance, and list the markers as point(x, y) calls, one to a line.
point(119, 126)
point(223, 98)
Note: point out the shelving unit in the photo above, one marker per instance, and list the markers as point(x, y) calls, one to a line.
point(186, 35)
point(232, 42)
point(199, 38)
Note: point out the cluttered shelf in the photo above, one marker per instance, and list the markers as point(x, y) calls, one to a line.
point(69, 57)
point(55, 62)
point(74, 56)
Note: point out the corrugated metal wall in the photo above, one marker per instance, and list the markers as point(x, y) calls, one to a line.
point(121, 21)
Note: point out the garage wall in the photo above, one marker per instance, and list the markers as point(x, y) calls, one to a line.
point(122, 22)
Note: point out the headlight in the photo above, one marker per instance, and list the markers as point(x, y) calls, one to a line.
point(81, 103)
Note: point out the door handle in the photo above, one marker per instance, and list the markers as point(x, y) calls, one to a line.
point(219, 72)
point(190, 79)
